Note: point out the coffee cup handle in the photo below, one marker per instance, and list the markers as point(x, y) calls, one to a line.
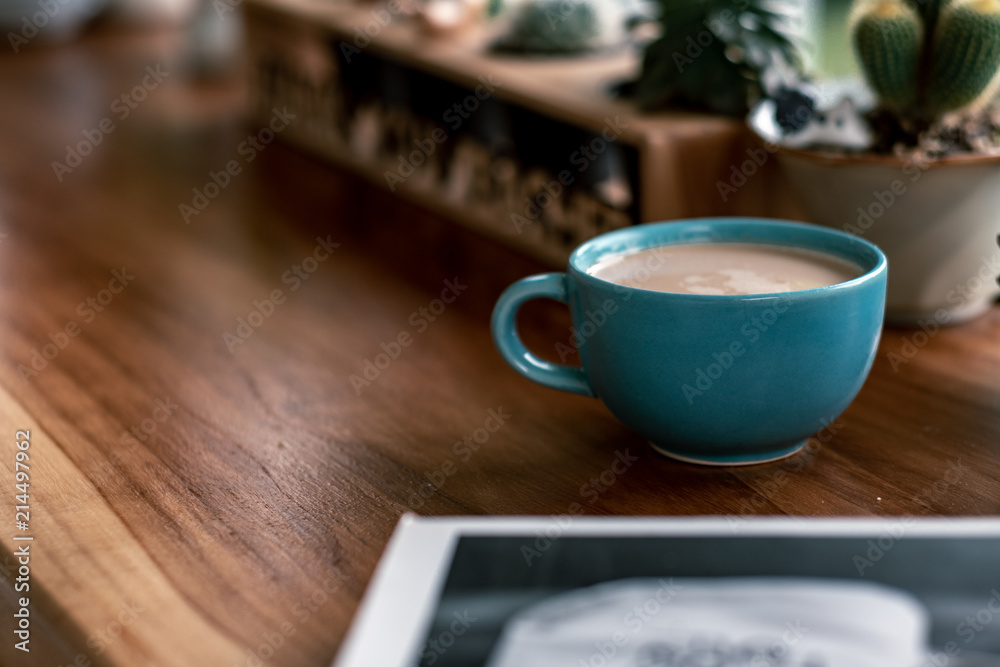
point(504, 326)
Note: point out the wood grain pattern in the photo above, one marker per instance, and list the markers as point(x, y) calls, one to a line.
point(254, 513)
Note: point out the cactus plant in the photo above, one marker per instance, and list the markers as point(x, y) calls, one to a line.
point(925, 58)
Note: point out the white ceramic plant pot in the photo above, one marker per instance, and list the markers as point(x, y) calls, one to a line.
point(936, 221)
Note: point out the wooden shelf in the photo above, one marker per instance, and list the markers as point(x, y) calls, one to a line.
point(574, 89)
point(675, 161)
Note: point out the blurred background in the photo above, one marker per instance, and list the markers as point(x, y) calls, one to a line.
point(469, 109)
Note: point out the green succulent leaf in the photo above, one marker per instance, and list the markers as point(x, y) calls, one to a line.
point(711, 53)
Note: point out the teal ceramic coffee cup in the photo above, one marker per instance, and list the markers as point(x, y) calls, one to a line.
point(713, 379)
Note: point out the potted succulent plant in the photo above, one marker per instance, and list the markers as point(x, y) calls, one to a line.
point(922, 179)
point(713, 55)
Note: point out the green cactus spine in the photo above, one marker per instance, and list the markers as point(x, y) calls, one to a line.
point(924, 59)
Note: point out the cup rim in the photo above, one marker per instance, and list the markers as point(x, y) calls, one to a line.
point(703, 226)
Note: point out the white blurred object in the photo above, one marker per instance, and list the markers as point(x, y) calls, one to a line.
point(214, 40)
point(752, 621)
point(148, 12)
point(444, 16)
point(841, 126)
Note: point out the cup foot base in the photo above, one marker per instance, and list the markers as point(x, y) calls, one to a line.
point(733, 460)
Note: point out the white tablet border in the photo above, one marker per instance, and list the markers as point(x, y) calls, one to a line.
point(396, 612)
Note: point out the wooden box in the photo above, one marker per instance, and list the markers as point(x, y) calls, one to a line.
point(536, 153)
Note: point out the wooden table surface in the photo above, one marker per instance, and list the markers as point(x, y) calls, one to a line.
point(206, 493)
